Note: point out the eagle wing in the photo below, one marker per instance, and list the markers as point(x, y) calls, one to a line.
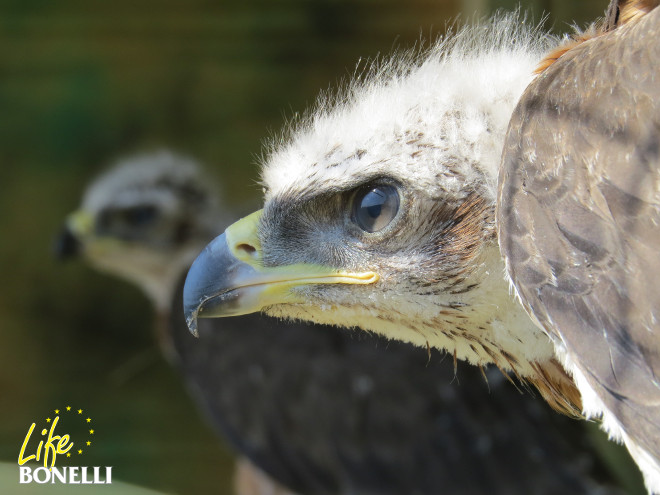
point(579, 216)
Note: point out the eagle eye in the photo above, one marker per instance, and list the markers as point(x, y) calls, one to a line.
point(375, 207)
point(140, 216)
point(118, 220)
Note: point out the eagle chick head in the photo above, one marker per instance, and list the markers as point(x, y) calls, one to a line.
point(379, 206)
point(145, 220)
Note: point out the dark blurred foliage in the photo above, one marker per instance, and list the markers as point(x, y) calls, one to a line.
point(83, 83)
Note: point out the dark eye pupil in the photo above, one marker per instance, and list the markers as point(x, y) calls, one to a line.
point(376, 207)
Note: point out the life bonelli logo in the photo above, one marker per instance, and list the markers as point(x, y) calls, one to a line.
point(66, 433)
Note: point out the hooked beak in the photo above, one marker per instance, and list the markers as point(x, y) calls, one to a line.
point(68, 243)
point(228, 277)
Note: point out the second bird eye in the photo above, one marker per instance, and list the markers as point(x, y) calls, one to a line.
point(140, 216)
point(375, 207)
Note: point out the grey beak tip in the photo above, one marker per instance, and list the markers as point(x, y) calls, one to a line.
point(66, 245)
point(192, 326)
point(192, 302)
point(200, 281)
point(213, 285)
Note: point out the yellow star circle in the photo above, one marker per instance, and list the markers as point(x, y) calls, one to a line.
point(88, 419)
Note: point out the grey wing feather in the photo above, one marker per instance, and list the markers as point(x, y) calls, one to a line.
point(579, 215)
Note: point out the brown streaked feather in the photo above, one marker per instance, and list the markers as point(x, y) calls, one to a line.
point(557, 388)
point(577, 39)
point(579, 215)
point(467, 228)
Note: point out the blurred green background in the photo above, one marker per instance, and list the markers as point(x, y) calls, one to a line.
point(85, 82)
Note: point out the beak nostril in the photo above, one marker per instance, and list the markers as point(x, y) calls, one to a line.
point(246, 248)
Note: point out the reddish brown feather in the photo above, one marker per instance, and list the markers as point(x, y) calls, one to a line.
point(619, 12)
